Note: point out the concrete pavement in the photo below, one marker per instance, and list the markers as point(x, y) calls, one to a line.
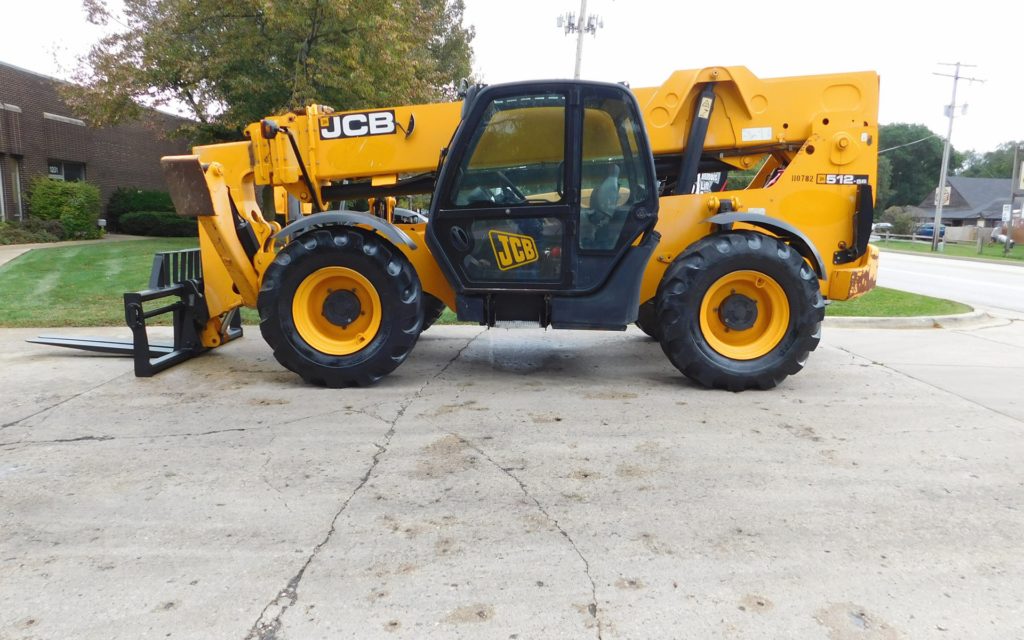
point(516, 484)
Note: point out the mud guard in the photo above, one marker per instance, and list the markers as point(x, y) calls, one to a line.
point(347, 218)
point(782, 229)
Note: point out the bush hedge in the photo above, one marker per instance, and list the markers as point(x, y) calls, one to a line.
point(129, 199)
point(25, 233)
point(50, 227)
point(158, 223)
point(76, 205)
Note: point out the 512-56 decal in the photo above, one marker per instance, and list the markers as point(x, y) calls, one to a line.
point(841, 178)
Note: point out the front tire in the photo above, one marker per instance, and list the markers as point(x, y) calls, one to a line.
point(340, 307)
point(739, 310)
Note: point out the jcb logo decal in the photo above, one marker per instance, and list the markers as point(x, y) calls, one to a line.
point(357, 125)
point(512, 250)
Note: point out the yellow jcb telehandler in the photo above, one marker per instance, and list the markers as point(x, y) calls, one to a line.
point(563, 204)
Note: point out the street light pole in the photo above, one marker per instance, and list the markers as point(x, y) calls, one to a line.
point(940, 193)
point(580, 28)
point(580, 25)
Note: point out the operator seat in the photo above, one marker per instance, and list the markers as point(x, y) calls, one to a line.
point(605, 198)
point(604, 201)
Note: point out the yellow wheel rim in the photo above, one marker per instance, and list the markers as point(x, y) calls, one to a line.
point(311, 318)
point(750, 336)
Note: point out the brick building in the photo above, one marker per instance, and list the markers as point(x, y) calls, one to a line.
point(39, 135)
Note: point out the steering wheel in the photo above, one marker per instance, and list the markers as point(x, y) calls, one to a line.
point(510, 187)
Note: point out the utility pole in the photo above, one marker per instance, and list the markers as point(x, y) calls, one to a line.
point(940, 194)
point(1016, 189)
point(582, 25)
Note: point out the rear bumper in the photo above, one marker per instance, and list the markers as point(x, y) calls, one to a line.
point(856, 278)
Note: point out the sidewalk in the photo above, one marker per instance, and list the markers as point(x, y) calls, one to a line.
point(9, 252)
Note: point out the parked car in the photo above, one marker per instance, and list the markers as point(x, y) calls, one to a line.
point(881, 227)
point(927, 229)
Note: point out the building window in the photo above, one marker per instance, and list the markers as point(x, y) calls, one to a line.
point(19, 209)
point(60, 170)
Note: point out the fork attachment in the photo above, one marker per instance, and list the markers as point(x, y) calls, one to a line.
point(175, 274)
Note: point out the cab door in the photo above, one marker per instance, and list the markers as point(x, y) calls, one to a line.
point(544, 188)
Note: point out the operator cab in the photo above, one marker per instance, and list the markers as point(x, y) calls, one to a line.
point(545, 206)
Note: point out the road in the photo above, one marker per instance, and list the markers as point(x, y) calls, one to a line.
point(516, 484)
point(993, 286)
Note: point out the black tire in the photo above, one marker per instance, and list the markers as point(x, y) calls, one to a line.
point(432, 310)
point(388, 273)
point(647, 319)
point(688, 280)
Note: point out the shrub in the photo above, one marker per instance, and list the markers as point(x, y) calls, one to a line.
point(46, 197)
point(52, 227)
point(75, 204)
point(158, 223)
point(22, 233)
point(902, 220)
point(129, 199)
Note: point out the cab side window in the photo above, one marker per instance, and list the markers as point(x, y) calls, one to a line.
point(517, 155)
point(613, 171)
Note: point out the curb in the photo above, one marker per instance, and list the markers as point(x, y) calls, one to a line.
point(971, 319)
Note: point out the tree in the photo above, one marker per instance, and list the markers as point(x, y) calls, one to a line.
point(993, 164)
point(885, 192)
point(901, 220)
point(914, 156)
point(231, 62)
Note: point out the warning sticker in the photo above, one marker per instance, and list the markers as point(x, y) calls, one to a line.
point(705, 108)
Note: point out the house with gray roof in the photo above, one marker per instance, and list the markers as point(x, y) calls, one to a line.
point(969, 200)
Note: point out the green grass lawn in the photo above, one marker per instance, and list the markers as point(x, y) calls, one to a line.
point(77, 286)
point(81, 286)
point(988, 251)
point(449, 317)
point(882, 302)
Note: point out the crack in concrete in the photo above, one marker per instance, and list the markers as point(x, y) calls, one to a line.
point(592, 608)
point(105, 438)
point(25, 443)
point(60, 402)
point(937, 387)
point(266, 480)
point(269, 622)
point(267, 626)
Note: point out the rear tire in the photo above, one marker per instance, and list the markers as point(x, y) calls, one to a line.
point(647, 319)
point(709, 295)
point(340, 307)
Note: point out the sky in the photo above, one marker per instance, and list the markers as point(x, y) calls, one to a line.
point(643, 41)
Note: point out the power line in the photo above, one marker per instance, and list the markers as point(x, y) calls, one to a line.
point(934, 135)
